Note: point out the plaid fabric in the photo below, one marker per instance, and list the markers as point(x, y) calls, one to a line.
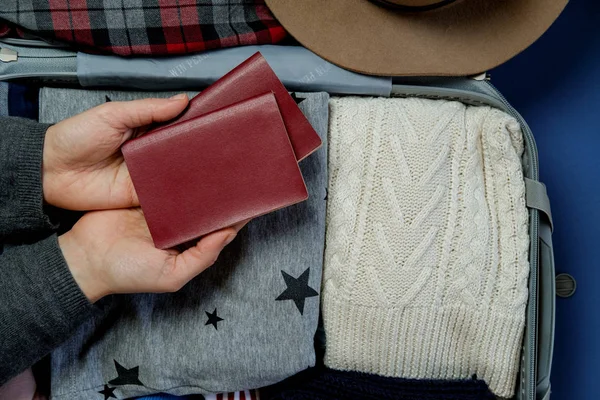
point(9, 30)
point(147, 27)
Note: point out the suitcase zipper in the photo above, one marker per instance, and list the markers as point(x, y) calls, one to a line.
point(8, 55)
point(33, 59)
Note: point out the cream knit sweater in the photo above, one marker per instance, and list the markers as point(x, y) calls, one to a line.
point(426, 262)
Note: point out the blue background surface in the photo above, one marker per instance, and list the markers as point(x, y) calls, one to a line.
point(555, 85)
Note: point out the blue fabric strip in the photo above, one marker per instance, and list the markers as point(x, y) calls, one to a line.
point(298, 68)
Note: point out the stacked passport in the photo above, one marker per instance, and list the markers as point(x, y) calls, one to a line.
point(231, 156)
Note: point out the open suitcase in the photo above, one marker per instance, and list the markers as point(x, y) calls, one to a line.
point(41, 63)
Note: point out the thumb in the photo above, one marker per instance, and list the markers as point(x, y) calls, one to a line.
point(204, 254)
point(127, 115)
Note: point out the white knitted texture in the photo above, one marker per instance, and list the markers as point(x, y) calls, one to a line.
point(426, 262)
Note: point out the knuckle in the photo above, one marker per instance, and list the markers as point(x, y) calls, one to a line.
point(209, 257)
point(205, 257)
point(105, 110)
point(108, 114)
point(174, 286)
point(171, 284)
point(209, 262)
point(213, 259)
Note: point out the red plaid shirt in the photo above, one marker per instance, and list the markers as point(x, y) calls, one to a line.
point(147, 27)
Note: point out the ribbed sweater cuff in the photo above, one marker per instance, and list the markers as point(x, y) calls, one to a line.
point(71, 300)
point(29, 175)
point(424, 343)
point(21, 193)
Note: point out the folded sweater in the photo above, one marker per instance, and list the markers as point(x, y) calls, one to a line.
point(426, 261)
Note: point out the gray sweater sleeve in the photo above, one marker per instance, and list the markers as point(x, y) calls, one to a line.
point(40, 302)
point(41, 305)
point(21, 194)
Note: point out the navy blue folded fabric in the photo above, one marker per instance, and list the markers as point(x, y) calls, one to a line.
point(19, 100)
point(22, 101)
point(328, 384)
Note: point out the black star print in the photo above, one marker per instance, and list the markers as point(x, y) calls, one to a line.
point(212, 318)
point(108, 392)
point(297, 99)
point(107, 98)
point(297, 289)
point(126, 376)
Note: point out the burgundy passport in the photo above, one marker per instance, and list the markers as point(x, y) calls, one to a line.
point(215, 170)
point(252, 78)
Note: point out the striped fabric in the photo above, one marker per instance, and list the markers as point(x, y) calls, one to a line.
point(148, 27)
point(245, 395)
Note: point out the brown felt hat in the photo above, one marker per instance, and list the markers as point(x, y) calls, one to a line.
point(416, 37)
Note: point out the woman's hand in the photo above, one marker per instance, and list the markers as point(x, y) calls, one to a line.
point(112, 252)
point(83, 168)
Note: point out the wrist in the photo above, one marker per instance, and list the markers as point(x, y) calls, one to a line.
point(47, 166)
point(82, 269)
point(50, 172)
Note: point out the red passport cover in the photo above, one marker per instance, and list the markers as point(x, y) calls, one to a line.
point(252, 78)
point(212, 171)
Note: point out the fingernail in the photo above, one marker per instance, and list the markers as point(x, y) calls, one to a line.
point(178, 96)
point(229, 239)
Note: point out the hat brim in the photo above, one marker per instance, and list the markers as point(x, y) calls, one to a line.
point(464, 38)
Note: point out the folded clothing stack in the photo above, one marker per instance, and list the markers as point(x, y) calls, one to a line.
point(426, 261)
point(247, 322)
point(425, 275)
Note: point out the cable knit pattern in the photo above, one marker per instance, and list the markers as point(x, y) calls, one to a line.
point(426, 260)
